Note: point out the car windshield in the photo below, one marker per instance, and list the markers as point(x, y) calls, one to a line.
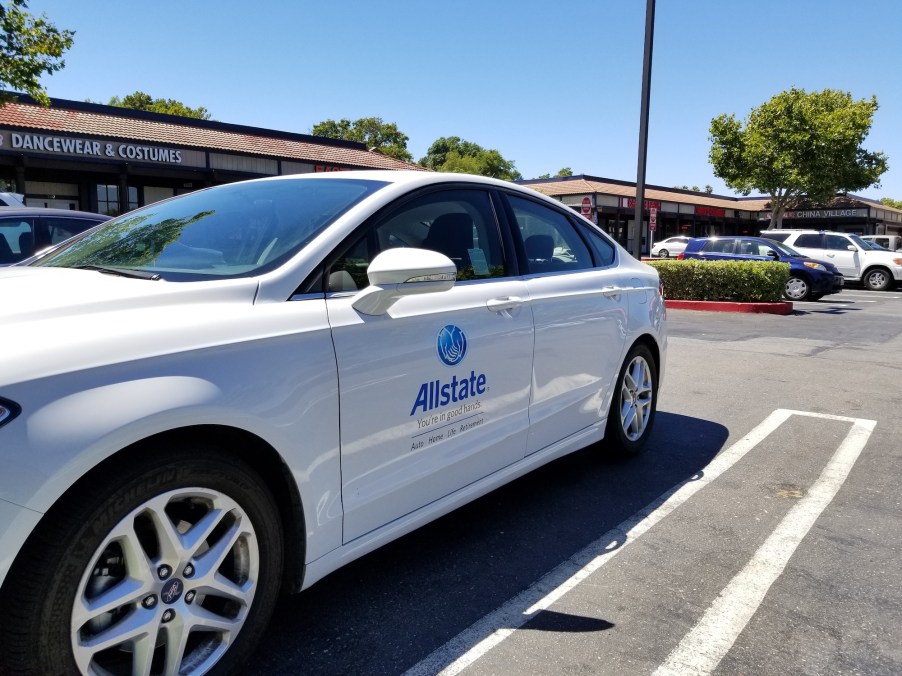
point(234, 230)
point(867, 246)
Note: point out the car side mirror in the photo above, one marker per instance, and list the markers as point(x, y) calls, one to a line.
point(852, 247)
point(403, 272)
point(773, 254)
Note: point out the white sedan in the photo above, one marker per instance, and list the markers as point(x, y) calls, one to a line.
point(670, 247)
point(237, 391)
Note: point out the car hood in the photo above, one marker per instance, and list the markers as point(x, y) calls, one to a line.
point(57, 319)
point(805, 259)
point(30, 293)
point(887, 257)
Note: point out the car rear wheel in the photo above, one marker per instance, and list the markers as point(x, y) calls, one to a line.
point(633, 405)
point(663, 253)
point(877, 279)
point(797, 288)
point(168, 566)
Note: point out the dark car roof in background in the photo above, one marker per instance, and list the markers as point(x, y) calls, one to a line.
point(52, 213)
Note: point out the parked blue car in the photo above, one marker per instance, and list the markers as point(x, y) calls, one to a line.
point(808, 279)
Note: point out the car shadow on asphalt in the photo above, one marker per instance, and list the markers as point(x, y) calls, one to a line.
point(826, 310)
point(390, 609)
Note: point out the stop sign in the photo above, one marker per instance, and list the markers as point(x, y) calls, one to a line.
point(587, 206)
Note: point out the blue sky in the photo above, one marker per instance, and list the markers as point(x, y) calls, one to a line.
point(549, 85)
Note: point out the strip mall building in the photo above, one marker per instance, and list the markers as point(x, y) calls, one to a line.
point(612, 204)
point(99, 158)
point(110, 160)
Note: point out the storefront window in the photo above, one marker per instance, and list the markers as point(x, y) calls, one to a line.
point(108, 199)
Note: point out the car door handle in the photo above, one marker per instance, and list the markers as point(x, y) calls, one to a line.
point(611, 291)
point(504, 304)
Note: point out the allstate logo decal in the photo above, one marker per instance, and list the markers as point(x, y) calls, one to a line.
point(451, 345)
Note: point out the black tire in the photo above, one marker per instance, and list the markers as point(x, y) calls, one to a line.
point(797, 288)
point(663, 253)
point(817, 296)
point(878, 279)
point(63, 565)
point(637, 383)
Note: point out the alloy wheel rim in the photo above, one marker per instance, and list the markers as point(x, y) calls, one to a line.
point(878, 279)
point(635, 398)
point(168, 589)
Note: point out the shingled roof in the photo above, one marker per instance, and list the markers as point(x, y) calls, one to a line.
point(90, 119)
point(588, 184)
point(582, 184)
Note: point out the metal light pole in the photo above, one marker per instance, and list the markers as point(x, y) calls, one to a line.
point(643, 125)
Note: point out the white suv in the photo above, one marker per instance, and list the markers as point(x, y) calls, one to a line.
point(855, 258)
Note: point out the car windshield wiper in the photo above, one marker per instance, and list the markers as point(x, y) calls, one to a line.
point(121, 272)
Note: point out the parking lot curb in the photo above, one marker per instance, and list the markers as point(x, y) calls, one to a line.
point(780, 308)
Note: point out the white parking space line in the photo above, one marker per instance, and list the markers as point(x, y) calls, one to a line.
point(484, 635)
point(868, 294)
point(702, 649)
point(835, 302)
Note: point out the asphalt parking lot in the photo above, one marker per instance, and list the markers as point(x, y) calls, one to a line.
point(759, 533)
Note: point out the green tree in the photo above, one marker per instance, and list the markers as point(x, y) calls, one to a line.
point(453, 154)
point(142, 101)
point(376, 134)
point(890, 202)
point(562, 173)
point(30, 46)
point(796, 145)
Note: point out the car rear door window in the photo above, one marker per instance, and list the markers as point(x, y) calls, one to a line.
point(809, 240)
point(550, 240)
point(602, 248)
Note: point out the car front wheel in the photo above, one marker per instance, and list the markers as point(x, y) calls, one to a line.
point(797, 288)
point(877, 279)
point(168, 566)
point(633, 404)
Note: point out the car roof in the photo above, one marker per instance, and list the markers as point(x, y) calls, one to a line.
point(51, 213)
point(731, 237)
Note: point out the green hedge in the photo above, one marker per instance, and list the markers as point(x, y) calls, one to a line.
point(742, 281)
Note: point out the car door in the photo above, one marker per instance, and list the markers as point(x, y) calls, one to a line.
point(836, 249)
point(434, 394)
point(580, 307)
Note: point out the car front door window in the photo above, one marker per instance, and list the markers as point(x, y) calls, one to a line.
point(457, 223)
